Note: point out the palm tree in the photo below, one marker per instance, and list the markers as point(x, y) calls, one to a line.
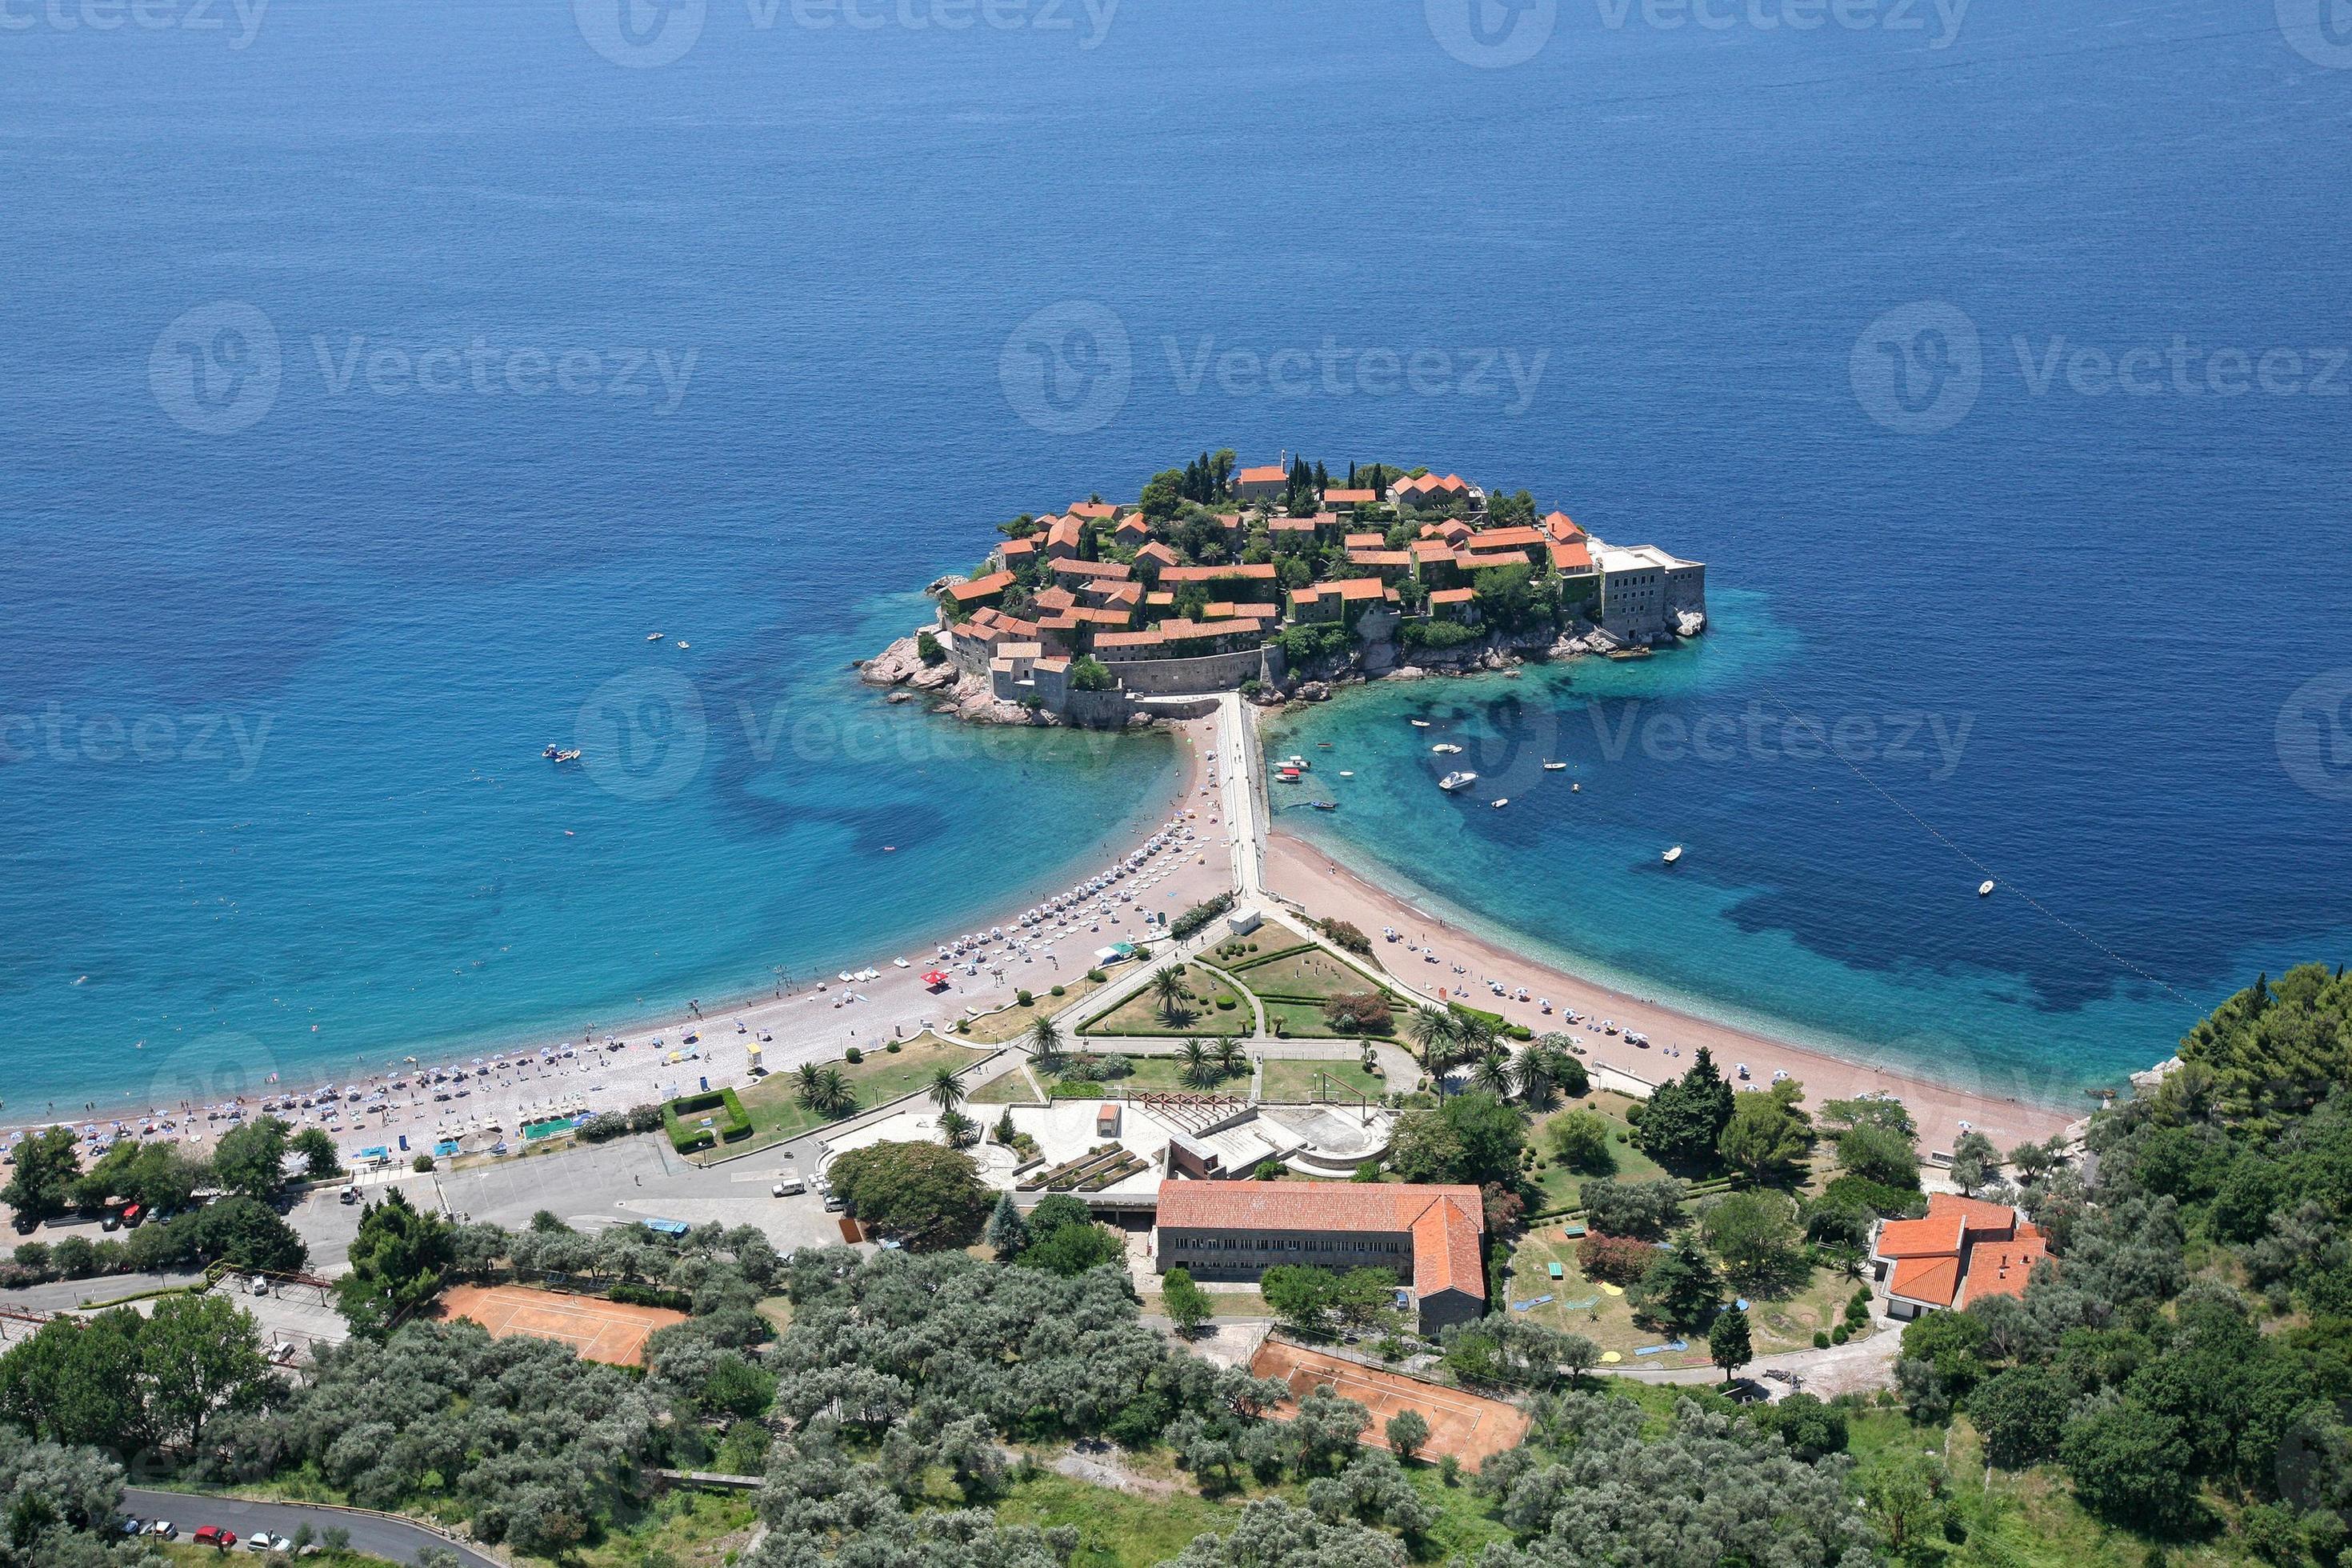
point(1045, 1041)
point(1168, 986)
point(1539, 1074)
point(810, 1088)
point(945, 1093)
point(834, 1095)
point(1494, 1074)
point(1201, 1066)
point(1232, 1060)
point(1434, 1030)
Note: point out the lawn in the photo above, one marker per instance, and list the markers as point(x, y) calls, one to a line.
point(1152, 1075)
point(773, 1103)
point(1225, 1304)
point(1560, 1185)
point(1309, 971)
point(996, 1028)
point(1122, 1529)
point(1006, 1088)
point(1289, 1082)
point(1585, 1307)
point(1140, 1014)
point(1115, 1529)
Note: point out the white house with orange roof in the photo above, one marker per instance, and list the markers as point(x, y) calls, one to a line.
point(1262, 484)
point(1962, 1251)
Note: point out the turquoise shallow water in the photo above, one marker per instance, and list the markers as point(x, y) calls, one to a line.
point(1827, 893)
point(336, 635)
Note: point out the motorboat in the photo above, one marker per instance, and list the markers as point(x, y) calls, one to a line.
point(653, 636)
point(1446, 749)
point(1984, 889)
point(1673, 855)
point(1453, 782)
point(1555, 767)
point(1419, 724)
point(1502, 803)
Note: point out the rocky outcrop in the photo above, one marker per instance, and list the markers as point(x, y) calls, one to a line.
point(1314, 692)
point(895, 665)
point(935, 677)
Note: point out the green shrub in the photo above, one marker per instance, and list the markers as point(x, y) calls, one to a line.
point(630, 1295)
point(892, 1048)
point(1840, 1335)
point(1058, 991)
point(853, 1056)
point(1024, 998)
point(1820, 1341)
point(682, 1117)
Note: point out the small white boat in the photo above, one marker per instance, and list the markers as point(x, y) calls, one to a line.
point(1673, 855)
point(1346, 774)
point(1419, 724)
point(1453, 782)
point(1984, 889)
point(1502, 803)
point(1555, 767)
point(653, 636)
point(1576, 789)
point(1446, 749)
point(683, 643)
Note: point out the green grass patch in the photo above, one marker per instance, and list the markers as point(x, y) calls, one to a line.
point(700, 1122)
point(1115, 1529)
point(1560, 1187)
point(1152, 1075)
point(1142, 1013)
point(1295, 1082)
point(776, 1112)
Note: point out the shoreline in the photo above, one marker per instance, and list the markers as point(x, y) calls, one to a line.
point(1303, 872)
point(814, 1022)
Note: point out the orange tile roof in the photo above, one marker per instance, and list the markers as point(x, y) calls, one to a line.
point(1571, 555)
point(1430, 550)
point(1019, 547)
point(1358, 588)
point(1932, 1279)
point(1478, 561)
point(1366, 541)
point(1518, 537)
point(1271, 474)
point(2002, 1268)
point(1155, 551)
point(1092, 569)
point(1095, 509)
point(1128, 639)
point(981, 587)
point(1936, 1236)
point(1055, 598)
point(1053, 664)
point(1444, 1223)
point(1349, 498)
point(1452, 597)
point(1262, 572)
point(1379, 558)
point(1133, 528)
point(1560, 525)
point(1158, 598)
point(1292, 525)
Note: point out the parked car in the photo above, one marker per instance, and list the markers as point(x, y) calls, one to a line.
point(163, 1529)
point(133, 1525)
point(832, 1203)
point(216, 1535)
point(262, 1540)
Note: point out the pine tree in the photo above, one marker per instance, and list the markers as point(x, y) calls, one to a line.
point(1008, 1232)
point(1727, 1342)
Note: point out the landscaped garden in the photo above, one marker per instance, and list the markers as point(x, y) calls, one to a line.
point(1299, 1083)
point(1012, 1023)
point(1309, 994)
point(779, 1106)
point(1200, 1004)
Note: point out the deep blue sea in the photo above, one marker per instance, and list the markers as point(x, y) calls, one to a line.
point(382, 373)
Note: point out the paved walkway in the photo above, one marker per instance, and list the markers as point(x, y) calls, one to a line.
point(1241, 781)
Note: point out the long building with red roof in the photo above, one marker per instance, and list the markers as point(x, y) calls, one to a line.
point(1431, 1237)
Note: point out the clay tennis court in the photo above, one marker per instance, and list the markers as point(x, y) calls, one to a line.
point(598, 1331)
point(1463, 1424)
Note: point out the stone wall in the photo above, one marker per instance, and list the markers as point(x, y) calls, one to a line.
point(1197, 677)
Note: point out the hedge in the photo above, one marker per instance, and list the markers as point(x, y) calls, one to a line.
point(629, 1295)
point(690, 1139)
point(1199, 915)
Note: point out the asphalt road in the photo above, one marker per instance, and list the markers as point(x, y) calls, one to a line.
point(378, 1536)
